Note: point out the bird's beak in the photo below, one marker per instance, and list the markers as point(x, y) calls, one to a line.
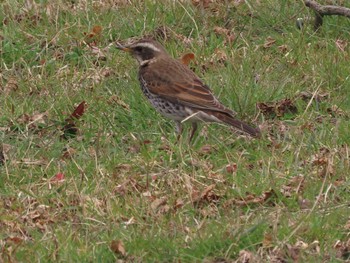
point(126, 49)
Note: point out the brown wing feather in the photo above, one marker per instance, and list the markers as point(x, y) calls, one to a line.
point(171, 84)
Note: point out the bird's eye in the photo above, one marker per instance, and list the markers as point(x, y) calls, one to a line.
point(138, 49)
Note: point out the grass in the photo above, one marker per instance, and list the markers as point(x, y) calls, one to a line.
point(225, 198)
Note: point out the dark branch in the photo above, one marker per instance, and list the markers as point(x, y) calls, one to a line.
point(324, 10)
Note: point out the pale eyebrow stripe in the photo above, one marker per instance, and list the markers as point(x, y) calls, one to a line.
point(148, 45)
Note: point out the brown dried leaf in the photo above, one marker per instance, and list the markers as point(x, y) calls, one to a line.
point(79, 110)
point(246, 256)
point(186, 58)
point(117, 246)
point(267, 241)
point(206, 149)
point(231, 168)
point(293, 252)
point(342, 248)
point(219, 56)
point(277, 109)
point(68, 152)
point(341, 44)
point(157, 203)
point(347, 225)
point(307, 96)
point(135, 148)
point(324, 159)
point(99, 54)
point(295, 185)
point(283, 48)
point(59, 177)
point(334, 110)
point(178, 204)
point(14, 239)
point(267, 109)
point(11, 85)
point(206, 196)
point(269, 42)
point(221, 31)
point(285, 106)
point(251, 199)
point(229, 36)
point(97, 30)
point(31, 121)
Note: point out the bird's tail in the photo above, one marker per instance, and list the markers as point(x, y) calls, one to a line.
point(240, 125)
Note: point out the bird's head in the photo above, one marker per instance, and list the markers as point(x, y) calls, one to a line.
point(144, 50)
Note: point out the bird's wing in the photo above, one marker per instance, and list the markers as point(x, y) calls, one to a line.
point(181, 85)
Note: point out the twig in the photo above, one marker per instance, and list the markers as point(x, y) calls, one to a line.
point(323, 10)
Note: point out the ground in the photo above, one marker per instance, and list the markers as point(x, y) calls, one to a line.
point(91, 173)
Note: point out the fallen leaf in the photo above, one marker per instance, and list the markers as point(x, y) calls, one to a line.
point(206, 149)
point(117, 246)
point(229, 35)
point(70, 129)
point(219, 57)
point(267, 241)
point(11, 85)
point(278, 108)
point(307, 96)
point(294, 185)
point(135, 148)
point(206, 196)
point(79, 110)
point(97, 30)
point(342, 249)
point(315, 247)
point(187, 58)
point(334, 110)
point(285, 106)
point(32, 121)
point(157, 203)
point(231, 168)
point(68, 152)
point(347, 225)
point(293, 252)
point(341, 44)
point(269, 42)
point(283, 48)
point(246, 256)
point(301, 245)
point(324, 159)
point(59, 177)
point(251, 199)
point(14, 239)
point(178, 203)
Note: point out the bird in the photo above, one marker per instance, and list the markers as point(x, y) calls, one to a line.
point(176, 92)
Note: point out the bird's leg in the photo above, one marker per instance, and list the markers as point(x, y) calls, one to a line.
point(178, 130)
point(194, 129)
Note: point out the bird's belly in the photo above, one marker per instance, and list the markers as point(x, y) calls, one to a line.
point(178, 112)
point(168, 109)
